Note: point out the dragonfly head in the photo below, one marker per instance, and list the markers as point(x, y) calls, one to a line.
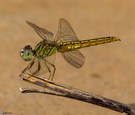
point(27, 53)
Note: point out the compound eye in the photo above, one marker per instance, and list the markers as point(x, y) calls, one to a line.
point(22, 52)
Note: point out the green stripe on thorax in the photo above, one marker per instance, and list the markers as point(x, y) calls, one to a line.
point(45, 48)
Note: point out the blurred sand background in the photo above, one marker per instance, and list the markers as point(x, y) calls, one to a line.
point(108, 70)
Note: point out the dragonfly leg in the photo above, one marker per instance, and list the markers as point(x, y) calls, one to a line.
point(51, 73)
point(28, 67)
point(38, 69)
point(48, 68)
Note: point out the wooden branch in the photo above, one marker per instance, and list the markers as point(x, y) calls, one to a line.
point(73, 93)
point(4, 113)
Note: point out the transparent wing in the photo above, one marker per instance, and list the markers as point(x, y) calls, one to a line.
point(65, 32)
point(75, 58)
point(39, 63)
point(43, 33)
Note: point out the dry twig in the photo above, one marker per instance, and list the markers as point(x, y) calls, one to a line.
point(70, 92)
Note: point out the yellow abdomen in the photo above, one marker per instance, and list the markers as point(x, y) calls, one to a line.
point(71, 45)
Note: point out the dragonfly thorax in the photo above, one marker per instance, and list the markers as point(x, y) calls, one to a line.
point(26, 53)
point(44, 49)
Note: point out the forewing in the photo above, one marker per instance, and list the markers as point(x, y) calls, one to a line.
point(43, 33)
point(75, 58)
point(65, 32)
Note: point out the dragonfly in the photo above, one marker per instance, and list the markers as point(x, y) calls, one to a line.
point(42, 57)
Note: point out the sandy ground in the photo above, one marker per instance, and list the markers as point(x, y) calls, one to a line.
point(108, 70)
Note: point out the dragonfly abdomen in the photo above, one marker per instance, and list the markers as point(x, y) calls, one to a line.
point(98, 41)
point(71, 45)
